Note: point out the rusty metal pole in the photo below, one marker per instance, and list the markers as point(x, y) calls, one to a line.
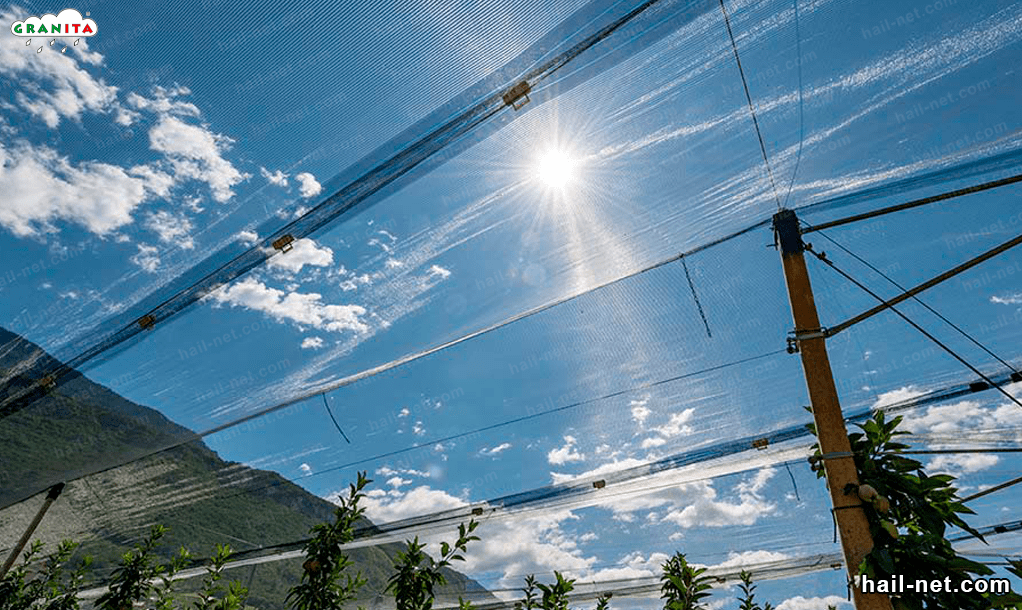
point(50, 497)
point(852, 525)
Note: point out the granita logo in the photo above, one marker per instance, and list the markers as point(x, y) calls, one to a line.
point(68, 22)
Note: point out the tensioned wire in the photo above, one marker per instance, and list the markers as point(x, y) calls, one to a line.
point(936, 395)
point(581, 492)
point(367, 373)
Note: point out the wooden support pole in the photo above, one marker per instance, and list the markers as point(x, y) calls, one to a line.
point(50, 497)
point(849, 515)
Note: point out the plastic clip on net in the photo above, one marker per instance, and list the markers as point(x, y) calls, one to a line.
point(147, 322)
point(284, 243)
point(518, 96)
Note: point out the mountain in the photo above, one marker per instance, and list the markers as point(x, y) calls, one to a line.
point(82, 427)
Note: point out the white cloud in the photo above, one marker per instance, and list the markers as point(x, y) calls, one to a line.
point(634, 565)
point(495, 450)
point(278, 177)
point(677, 425)
point(404, 412)
point(305, 468)
point(312, 343)
point(418, 429)
point(248, 238)
point(195, 153)
point(309, 186)
point(52, 86)
point(392, 263)
point(163, 101)
point(147, 258)
point(41, 187)
point(708, 511)
point(639, 409)
point(565, 454)
point(813, 603)
point(751, 558)
point(171, 229)
point(1011, 299)
point(305, 309)
point(398, 482)
point(653, 441)
point(439, 272)
point(304, 252)
point(383, 506)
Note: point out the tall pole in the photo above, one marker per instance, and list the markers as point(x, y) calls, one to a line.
point(50, 497)
point(831, 433)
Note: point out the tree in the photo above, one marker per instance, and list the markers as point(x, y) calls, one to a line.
point(215, 596)
point(909, 512)
point(134, 579)
point(48, 589)
point(326, 563)
point(418, 573)
point(747, 600)
point(683, 585)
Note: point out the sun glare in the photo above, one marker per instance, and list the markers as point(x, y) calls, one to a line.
point(555, 168)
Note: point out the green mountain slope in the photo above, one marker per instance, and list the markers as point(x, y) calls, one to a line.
point(82, 427)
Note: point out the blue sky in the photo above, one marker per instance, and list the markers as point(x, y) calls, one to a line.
point(140, 152)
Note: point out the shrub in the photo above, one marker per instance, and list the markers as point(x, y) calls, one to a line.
point(326, 563)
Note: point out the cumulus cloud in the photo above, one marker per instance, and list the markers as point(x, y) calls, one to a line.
point(163, 101)
point(312, 343)
point(418, 429)
point(404, 412)
point(565, 453)
point(248, 238)
point(277, 178)
point(495, 450)
point(1011, 299)
point(751, 558)
point(639, 409)
point(196, 153)
point(52, 85)
point(40, 187)
point(305, 468)
point(814, 603)
point(308, 185)
point(304, 309)
point(386, 506)
point(147, 258)
point(171, 229)
point(436, 271)
point(709, 511)
point(304, 252)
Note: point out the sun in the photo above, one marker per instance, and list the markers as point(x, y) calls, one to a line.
point(556, 168)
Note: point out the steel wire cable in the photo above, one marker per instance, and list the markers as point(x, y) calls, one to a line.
point(915, 298)
point(924, 332)
point(752, 107)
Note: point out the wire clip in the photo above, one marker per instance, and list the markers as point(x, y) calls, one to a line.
point(599, 484)
point(147, 322)
point(284, 244)
point(760, 443)
point(518, 96)
point(796, 336)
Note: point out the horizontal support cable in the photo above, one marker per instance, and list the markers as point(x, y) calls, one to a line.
point(919, 328)
point(991, 490)
point(908, 294)
point(977, 188)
